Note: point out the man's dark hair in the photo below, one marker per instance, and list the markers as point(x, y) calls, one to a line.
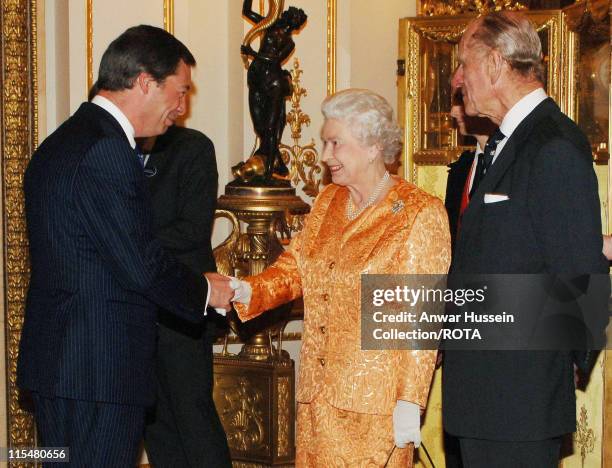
point(141, 49)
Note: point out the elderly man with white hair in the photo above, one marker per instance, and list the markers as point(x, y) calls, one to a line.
point(535, 210)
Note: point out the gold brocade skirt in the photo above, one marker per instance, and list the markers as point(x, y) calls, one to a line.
point(329, 437)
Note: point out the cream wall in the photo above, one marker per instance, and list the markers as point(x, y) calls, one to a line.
point(368, 44)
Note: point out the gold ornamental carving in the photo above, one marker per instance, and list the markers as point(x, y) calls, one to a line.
point(584, 436)
point(303, 160)
point(245, 417)
point(226, 254)
point(441, 32)
point(19, 135)
point(458, 7)
point(283, 448)
point(255, 402)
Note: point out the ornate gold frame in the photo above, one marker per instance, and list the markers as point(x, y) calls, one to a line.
point(413, 31)
point(89, 15)
point(169, 16)
point(19, 113)
point(332, 22)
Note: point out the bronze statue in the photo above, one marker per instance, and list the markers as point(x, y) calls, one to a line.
point(269, 87)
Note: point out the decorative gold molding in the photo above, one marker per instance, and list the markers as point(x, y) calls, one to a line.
point(34, 58)
point(19, 136)
point(584, 437)
point(242, 411)
point(303, 161)
point(169, 16)
point(332, 23)
point(89, 14)
point(458, 7)
point(284, 437)
point(235, 339)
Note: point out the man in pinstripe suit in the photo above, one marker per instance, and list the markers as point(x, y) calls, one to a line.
point(98, 274)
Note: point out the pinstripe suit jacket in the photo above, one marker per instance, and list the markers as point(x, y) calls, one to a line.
point(98, 274)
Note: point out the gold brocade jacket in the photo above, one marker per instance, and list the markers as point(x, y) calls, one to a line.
point(407, 233)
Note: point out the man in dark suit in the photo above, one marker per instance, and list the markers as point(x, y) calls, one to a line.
point(535, 210)
point(183, 428)
point(98, 274)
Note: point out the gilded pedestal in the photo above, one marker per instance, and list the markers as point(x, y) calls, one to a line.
point(255, 390)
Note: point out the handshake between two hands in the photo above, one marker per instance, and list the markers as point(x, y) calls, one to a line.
point(226, 289)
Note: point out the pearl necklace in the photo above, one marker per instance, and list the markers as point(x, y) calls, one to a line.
point(352, 212)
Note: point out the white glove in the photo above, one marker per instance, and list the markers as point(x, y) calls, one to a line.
point(239, 291)
point(407, 424)
point(242, 291)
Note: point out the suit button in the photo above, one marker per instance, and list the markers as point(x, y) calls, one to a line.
point(326, 297)
point(323, 330)
point(322, 361)
point(332, 265)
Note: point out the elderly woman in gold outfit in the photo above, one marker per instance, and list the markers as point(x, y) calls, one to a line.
point(355, 406)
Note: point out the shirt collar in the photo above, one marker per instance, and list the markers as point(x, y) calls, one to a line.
point(520, 110)
point(119, 116)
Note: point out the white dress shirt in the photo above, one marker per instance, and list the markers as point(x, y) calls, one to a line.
point(119, 116)
point(512, 119)
point(517, 114)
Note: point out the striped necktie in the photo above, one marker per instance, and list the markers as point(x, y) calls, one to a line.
point(490, 147)
point(486, 159)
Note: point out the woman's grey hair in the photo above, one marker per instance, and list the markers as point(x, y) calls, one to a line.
point(369, 117)
point(515, 38)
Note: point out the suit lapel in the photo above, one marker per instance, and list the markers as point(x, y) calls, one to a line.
point(497, 171)
point(504, 161)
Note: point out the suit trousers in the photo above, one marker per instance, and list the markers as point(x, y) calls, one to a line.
point(478, 453)
point(98, 434)
point(184, 428)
